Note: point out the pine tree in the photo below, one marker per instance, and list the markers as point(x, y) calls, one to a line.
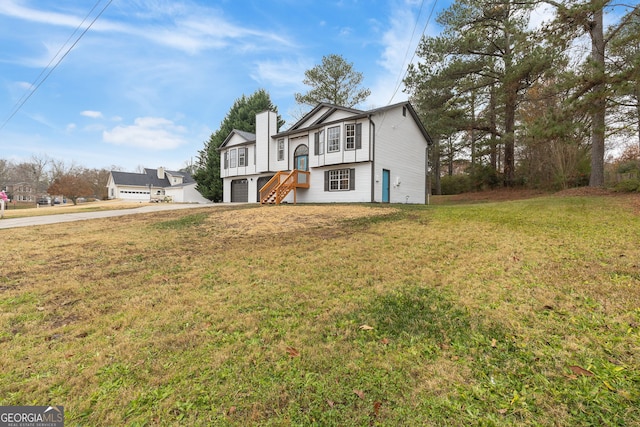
point(241, 116)
point(334, 81)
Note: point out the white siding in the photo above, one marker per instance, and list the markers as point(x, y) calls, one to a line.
point(250, 160)
point(341, 156)
point(266, 125)
point(185, 194)
point(401, 149)
point(316, 194)
point(312, 119)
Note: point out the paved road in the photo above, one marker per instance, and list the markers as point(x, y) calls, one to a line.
point(79, 216)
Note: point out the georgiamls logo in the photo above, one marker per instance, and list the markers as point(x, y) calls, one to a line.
point(32, 416)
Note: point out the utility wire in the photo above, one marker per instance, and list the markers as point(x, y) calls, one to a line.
point(406, 70)
point(35, 85)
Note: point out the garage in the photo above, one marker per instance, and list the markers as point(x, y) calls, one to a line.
point(239, 190)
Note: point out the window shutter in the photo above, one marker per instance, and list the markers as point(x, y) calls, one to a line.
point(326, 180)
point(358, 136)
point(316, 143)
point(352, 179)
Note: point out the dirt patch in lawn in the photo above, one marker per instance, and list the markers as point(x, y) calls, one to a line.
point(287, 218)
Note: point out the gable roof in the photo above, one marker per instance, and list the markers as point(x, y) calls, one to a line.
point(357, 114)
point(247, 136)
point(331, 108)
point(149, 177)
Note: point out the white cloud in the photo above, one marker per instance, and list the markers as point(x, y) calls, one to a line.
point(284, 73)
point(14, 9)
point(147, 132)
point(71, 127)
point(399, 46)
point(190, 30)
point(91, 114)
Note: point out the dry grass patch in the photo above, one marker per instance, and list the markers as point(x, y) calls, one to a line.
point(103, 205)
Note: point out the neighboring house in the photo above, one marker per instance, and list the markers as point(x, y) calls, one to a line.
point(154, 185)
point(22, 192)
point(332, 154)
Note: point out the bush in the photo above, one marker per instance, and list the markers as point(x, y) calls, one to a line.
point(483, 177)
point(628, 186)
point(455, 184)
point(630, 166)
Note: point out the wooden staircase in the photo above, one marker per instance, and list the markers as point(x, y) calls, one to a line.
point(278, 187)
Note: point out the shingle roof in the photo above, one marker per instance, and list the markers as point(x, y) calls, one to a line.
point(246, 135)
point(149, 177)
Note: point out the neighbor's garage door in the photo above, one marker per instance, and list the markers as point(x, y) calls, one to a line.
point(239, 190)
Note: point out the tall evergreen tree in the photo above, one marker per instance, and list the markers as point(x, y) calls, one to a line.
point(486, 46)
point(334, 81)
point(241, 116)
point(624, 64)
point(594, 84)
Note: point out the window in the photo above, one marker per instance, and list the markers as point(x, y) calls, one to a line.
point(232, 158)
point(333, 139)
point(281, 149)
point(353, 136)
point(339, 180)
point(319, 142)
point(226, 160)
point(350, 137)
point(242, 157)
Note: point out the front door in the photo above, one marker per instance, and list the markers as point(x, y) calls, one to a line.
point(301, 158)
point(302, 163)
point(386, 177)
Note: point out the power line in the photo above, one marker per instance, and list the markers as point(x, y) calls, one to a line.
point(35, 85)
point(404, 70)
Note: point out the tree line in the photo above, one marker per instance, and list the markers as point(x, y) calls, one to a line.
point(46, 176)
point(517, 105)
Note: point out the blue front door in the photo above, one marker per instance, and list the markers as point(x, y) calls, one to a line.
point(386, 177)
point(302, 163)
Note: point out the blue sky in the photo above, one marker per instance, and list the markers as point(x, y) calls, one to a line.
point(151, 79)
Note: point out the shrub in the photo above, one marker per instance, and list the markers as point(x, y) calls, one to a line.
point(628, 186)
point(455, 184)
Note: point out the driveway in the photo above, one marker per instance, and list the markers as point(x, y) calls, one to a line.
point(79, 216)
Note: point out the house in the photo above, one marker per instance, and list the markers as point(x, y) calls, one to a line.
point(154, 185)
point(22, 192)
point(332, 154)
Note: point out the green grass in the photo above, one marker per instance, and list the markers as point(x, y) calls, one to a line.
point(510, 313)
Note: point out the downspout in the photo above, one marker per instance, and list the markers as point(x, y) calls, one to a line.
point(372, 139)
point(428, 176)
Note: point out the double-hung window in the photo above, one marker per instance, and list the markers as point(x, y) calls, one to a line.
point(242, 157)
point(280, 149)
point(350, 137)
point(233, 157)
point(333, 139)
point(319, 142)
point(339, 180)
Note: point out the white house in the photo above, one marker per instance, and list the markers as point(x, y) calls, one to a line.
point(332, 154)
point(154, 185)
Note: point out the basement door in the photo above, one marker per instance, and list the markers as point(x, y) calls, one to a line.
point(386, 192)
